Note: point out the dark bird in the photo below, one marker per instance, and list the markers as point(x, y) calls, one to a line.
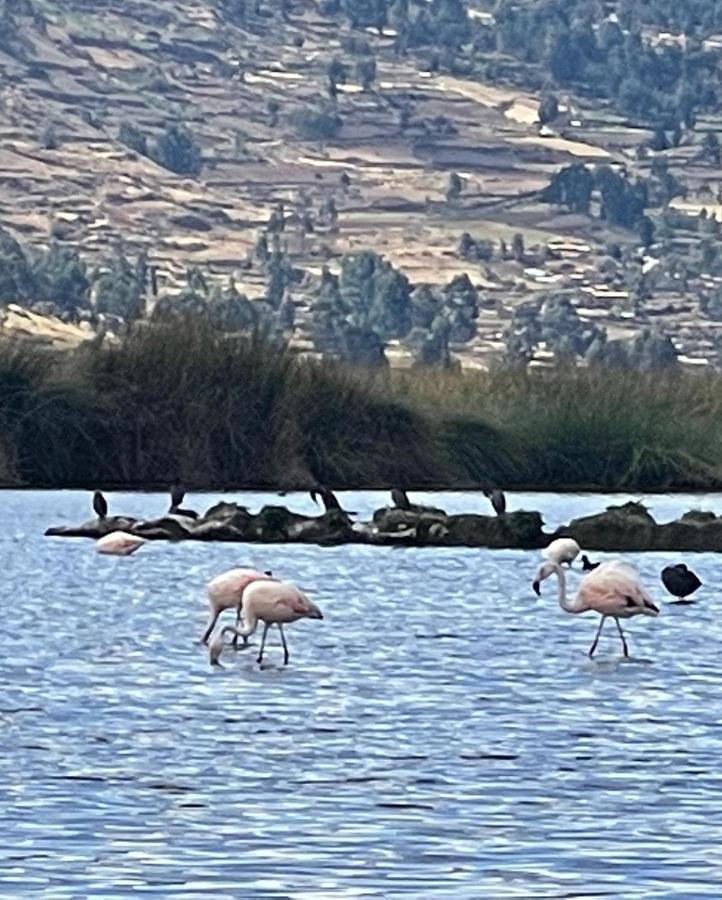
point(100, 505)
point(587, 564)
point(401, 500)
point(680, 582)
point(498, 500)
point(177, 495)
point(329, 500)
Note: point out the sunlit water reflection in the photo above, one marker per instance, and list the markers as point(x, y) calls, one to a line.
point(441, 733)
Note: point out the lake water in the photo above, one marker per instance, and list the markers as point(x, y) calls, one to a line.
point(441, 733)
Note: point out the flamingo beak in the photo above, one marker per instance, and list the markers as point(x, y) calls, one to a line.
point(536, 588)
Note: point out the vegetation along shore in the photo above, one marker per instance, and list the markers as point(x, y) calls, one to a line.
point(224, 412)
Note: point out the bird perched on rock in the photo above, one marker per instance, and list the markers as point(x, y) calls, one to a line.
point(100, 505)
point(401, 500)
point(680, 582)
point(177, 495)
point(498, 500)
point(329, 500)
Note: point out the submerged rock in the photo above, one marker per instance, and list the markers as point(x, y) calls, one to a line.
point(95, 528)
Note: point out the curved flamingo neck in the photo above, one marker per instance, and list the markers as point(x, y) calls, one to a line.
point(568, 604)
point(249, 626)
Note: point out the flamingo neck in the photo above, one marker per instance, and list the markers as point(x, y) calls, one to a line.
point(568, 604)
point(250, 624)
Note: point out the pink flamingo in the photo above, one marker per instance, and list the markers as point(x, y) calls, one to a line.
point(614, 589)
point(119, 543)
point(273, 603)
point(225, 591)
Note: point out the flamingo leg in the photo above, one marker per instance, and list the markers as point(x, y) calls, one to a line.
point(211, 626)
point(621, 635)
point(266, 626)
point(238, 625)
point(596, 636)
point(285, 645)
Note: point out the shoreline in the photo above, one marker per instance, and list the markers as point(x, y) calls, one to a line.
point(244, 487)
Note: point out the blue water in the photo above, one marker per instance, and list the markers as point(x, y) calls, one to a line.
point(441, 733)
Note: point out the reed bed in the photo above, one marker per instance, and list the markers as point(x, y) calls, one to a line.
point(220, 412)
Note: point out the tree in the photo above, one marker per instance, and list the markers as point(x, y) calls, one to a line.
point(316, 124)
point(119, 289)
point(133, 137)
point(454, 188)
point(176, 149)
point(711, 148)
point(571, 187)
point(645, 228)
point(517, 247)
point(548, 109)
point(366, 72)
point(366, 13)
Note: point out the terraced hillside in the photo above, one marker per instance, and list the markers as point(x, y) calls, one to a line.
point(364, 158)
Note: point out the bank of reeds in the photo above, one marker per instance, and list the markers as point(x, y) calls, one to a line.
point(224, 412)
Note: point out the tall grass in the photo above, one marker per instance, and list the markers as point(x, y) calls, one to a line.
point(221, 412)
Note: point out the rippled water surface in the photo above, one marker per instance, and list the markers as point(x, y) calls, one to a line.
point(440, 733)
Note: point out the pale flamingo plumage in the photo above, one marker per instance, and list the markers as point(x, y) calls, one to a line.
point(225, 591)
point(119, 543)
point(562, 550)
point(614, 590)
point(273, 603)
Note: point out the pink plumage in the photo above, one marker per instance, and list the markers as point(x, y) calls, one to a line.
point(614, 590)
point(225, 591)
point(119, 543)
point(273, 603)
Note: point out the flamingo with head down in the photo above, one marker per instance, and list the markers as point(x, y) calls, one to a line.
point(614, 590)
point(225, 591)
point(273, 603)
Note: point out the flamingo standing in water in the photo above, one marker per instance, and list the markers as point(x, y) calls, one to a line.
point(273, 603)
point(119, 543)
point(225, 591)
point(614, 590)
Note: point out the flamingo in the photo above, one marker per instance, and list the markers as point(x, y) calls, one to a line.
point(614, 589)
point(218, 644)
point(273, 603)
point(119, 543)
point(562, 550)
point(225, 591)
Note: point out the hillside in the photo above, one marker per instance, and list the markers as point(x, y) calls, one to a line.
point(265, 108)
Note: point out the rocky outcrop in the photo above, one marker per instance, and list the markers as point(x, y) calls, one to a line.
point(631, 527)
point(627, 527)
point(95, 528)
point(622, 528)
point(515, 529)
